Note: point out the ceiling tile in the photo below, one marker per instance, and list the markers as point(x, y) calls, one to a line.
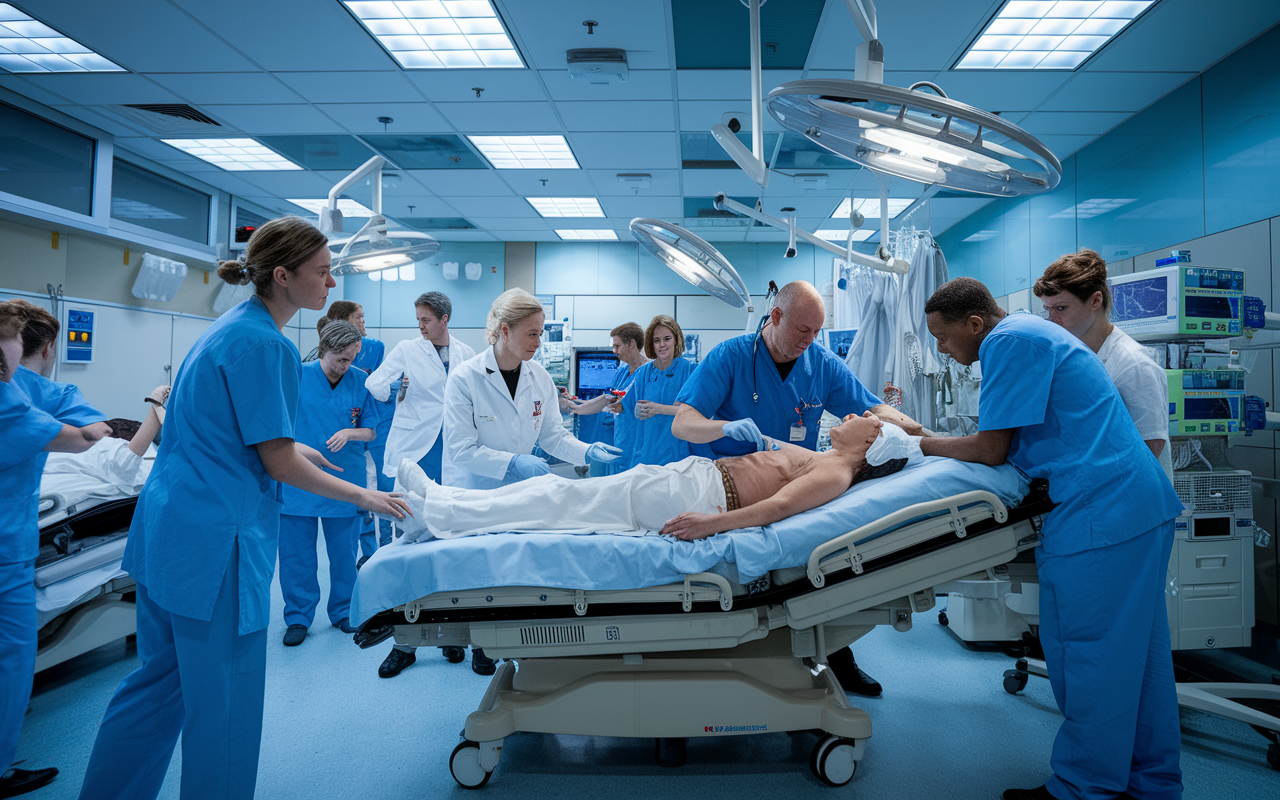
point(25, 88)
point(483, 116)
point(559, 182)
point(105, 89)
point(512, 223)
point(626, 208)
point(1114, 91)
point(234, 88)
point(1002, 91)
point(352, 87)
point(1063, 146)
point(255, 120)
point(916, 36)
point(409, 117)
point(1185, 36)
point(714, 84)
point(629, 115)
point(458, 85)
point(710, 182)
point(96, 118)
point(451, 183)
point(956, 207)
point(627, 152)
point(525, 236)
point(640, 85)
point(423, 206)
point(545, 31)
point(514, 207)
point(662, 182)
point(465, 236)
point(1072, 122)
point(291, 183)
point(701, 115)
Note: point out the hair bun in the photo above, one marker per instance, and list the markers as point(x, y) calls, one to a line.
point(233, 272)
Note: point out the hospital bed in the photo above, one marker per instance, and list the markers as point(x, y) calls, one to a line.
point(645, 636)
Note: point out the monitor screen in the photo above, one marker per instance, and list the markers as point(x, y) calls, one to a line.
point(594, 372)
point(1138, 300)
point(1211, 408)
point(839, 340)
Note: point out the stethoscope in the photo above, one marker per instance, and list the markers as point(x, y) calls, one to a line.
point(755, 345)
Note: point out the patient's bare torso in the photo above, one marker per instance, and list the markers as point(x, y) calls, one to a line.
point(759, 476)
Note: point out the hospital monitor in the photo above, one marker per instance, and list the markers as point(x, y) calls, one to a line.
point(593, 371)
point(839, 340)
point(1178, 302)
point(1205, 401)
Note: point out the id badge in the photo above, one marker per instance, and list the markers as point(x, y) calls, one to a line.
point(797, 432)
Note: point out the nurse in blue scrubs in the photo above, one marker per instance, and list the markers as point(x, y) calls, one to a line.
point(337, 416)
point(1049, 407)
point(28, 433)
point(628, 346)
point(651, 402)
point(203, 542)
point(774, 384)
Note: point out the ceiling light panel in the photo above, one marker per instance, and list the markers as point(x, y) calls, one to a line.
point(28, 45)
point(439, 34)
point(526, 152)
point(566, 206)
point(1044, 34)
point(601, 235)
point(348, 207)
point(236, 155)
point(869, 207)
point(842, 235)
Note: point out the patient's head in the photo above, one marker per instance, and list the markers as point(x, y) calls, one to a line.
point(855, 434)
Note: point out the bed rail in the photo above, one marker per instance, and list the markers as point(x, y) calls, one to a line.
point(844, 550)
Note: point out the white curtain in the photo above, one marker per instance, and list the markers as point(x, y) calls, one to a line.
point(914, 358)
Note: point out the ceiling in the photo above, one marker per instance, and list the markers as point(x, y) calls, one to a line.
point(290, 70)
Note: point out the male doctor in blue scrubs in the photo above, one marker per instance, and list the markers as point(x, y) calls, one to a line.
point(1049, 407)
point(774, 384)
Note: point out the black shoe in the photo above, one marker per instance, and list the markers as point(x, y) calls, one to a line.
point(850, 676)
point(670, 752)
point(20, 781)
point(345, 626)
point(1038, 793)
point(454, 655)
point(294, 635)
point(482, 664)
point(360, 563)
point(395, 663)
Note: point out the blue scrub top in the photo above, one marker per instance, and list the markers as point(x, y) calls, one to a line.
point(624, 425)
point(722, 385)
point(62, 401)
point(26, 431)
point(371, 353)
point(208, 489)
point(1073, 430)
point(322, 411)
point(653, 442)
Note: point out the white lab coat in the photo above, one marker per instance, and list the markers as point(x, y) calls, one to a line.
point(420, 416)
point(484, 427)
point(1143, 387)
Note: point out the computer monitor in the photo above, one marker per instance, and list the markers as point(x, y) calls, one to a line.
point(593, 372)
point(839, 340)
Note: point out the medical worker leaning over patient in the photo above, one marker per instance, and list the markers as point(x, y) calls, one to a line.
point(28, 433)
point(203, 541)
point(336, 416)
point(650, 402)
point(1049, 407)
point(1076, 296)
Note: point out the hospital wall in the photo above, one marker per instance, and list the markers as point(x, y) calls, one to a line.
point(1198, 170)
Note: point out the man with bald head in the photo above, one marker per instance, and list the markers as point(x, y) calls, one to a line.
point(774, 384)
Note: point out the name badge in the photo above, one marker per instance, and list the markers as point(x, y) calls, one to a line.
point(797, 433)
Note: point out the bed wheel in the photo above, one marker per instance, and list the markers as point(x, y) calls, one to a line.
point(832, 760)
point(464, 765)
point(1015, 680)
point(942, 618)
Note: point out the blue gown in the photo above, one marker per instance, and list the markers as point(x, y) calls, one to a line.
point(623, 427)
point(652, 441)
point(1102, 560)
point(26, 431)
point(322, 411)
point(202, 548)
point(372, 351)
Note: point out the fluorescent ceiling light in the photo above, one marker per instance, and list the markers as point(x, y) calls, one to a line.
point(1044, 34)
point(1092, 208)
point(348, 207)
point(870, 207)
point(982, 236)
point(566, 206)
point(439, 34)
point(838, 235)
point(597, 235)
point(28, 45)
point(236, 155)
point(526, 152)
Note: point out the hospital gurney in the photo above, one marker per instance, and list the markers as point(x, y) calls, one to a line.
point(697, 657)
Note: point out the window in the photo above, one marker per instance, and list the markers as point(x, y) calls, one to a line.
point(140, 197)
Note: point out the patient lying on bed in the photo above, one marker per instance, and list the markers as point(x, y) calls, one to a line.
point(691, 499)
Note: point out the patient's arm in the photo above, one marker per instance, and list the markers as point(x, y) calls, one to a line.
point(820, 485)
point(150, 424)
point(890, 414)
point(984, 447)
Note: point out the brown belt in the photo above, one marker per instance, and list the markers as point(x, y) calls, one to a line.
point(732, 501)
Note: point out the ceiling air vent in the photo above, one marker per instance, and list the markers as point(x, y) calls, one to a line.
point(165, 119)
point(598, 64)
point(174, 110)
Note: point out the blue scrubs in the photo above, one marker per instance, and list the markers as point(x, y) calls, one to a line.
point(372, 351)
point(1102, 560)
point(652, 441)
point(62, 401)
point(722, 386)
point(25, 431)
point(623, 427)
point(202, 548)
point(322, 411)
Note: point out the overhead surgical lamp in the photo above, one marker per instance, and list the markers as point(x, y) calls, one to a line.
point(373, 247)
point(693, 259)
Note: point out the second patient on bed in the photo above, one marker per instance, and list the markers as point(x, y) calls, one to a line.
point(690, 499)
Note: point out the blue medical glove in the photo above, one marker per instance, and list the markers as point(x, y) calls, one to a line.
point(745, 430)
point(602, 453)
point(525, 466)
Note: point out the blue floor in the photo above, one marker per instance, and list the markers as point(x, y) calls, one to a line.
point(945, 728)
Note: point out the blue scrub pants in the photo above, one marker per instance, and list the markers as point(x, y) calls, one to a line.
point(369, 542)
point(200, 679)
point(298, 565)
point(17, 652)
point(1105, 633)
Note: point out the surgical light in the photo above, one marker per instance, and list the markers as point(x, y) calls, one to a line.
point(28, 45)
point(692, 258)
point(439, 34)
point(374, 248)
point(566, 206)
point(526, 152)
point(592, 235)
point(1049, 35)
point(235, 155)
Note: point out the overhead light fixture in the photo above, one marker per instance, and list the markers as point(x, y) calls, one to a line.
point(348, 207)
point(1049, 35)
point(235, 155)
point(869, 208)
point(28, 45)
point(841, 235)
point(566, 206)
point(692, 258)
point(1092, 208)
point(594, 235)
point(439, 34)
point(373, 248)
point(526, 152)
point(750, 161)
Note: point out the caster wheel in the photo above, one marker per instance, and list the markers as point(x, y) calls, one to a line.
point(464, 765)
point(1015, 680)
point(942, 618)
point(832, 761)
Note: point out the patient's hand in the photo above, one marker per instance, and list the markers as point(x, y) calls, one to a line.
point(692, 525)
